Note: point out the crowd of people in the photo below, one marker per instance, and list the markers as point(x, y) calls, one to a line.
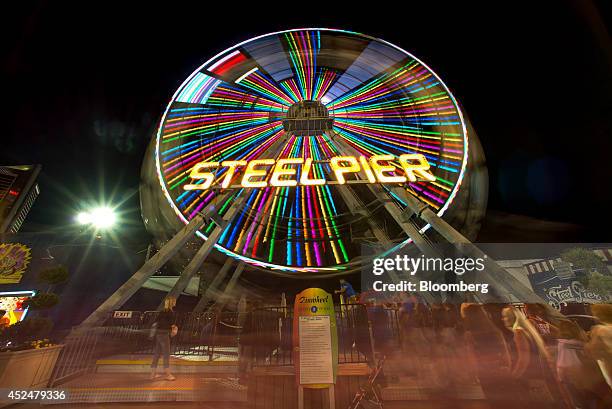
point(516, 353)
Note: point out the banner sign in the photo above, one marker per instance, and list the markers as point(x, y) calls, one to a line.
point(558, 292)
point(315, 339)
point(14, 260)
point(12, 303)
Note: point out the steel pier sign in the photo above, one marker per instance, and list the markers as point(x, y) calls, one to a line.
point(289, 172)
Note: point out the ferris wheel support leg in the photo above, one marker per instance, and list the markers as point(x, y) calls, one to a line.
point(214, 285)
point(229, 288)
point(193, 266)
point(395, 213)
point(356, 207)
point(203, 252)
point(393, 210)
point(494, 273)
point(123, 293)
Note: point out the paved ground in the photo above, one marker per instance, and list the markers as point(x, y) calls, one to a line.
point(150, 405)
point(230, 405)
point(137, 387)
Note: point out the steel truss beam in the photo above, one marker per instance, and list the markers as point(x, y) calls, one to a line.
point(123, 293)
point(494, 273)
point(212, 289)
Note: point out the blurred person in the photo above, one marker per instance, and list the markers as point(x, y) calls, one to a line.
point(381, 327)
point(453, 351)
point(536, 314)
point(488, 354)
point(247, 342)
point(494, 310)
point(165, 329)
point(531, 366)
point(419, 340)
point(599, 346)
point(578, 373)
point(406, 309)
point(439, 348)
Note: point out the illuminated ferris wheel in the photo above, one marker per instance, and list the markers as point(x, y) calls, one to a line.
point(307, 96)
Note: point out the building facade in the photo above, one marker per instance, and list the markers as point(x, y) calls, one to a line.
point(18, 192)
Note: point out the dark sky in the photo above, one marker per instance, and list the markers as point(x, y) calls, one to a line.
point(83, 86)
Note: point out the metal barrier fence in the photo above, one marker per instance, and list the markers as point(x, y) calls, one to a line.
point(264, 335)
point(386, 329)
point(76, 358)
point(201, 334)
point(268, 333)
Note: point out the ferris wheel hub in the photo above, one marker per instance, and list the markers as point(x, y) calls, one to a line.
point(308, 118)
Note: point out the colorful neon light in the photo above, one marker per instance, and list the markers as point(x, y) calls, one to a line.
point(232, 107)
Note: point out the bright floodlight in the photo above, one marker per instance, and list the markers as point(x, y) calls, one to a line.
point(103, 217)
point(100, 218)
point(84, 218)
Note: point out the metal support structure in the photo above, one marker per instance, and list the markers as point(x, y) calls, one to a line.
point(229, 288)
point(356, 207)
point(203, 252)
point(493, 273)
point(391, 208)
point(192, 268)
point(220, 221)
point(493, 269)
point(123, 293)
point(214, 285)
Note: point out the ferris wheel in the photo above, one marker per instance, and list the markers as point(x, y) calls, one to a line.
point(289, 151)
point(308, 95)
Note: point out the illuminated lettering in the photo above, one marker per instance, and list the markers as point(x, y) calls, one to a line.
point(339, 169)
point(380, 170)
point(198, 173)
point(231, 166)
point(252, 173)
point(305, 180)
point(281, 170)
point(284, 172)
point(421, 167)
point(367, 169)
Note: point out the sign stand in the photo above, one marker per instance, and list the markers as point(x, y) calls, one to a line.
point(300, 397)
point(331, 394)
point(315, 343)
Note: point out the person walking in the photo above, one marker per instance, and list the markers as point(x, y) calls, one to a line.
point(578, 372)
point(599, 348)
point(531, 366)
point(165, 328)
point(488, 356)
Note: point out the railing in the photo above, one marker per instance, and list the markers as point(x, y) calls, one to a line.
point(385, 322)
point(269, 331)
point(203, 333)
point(264, 336)
point(76, 358)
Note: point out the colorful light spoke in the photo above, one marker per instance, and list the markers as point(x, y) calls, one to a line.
point(382, 101)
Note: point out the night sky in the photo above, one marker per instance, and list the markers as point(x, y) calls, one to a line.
point(83, 87)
